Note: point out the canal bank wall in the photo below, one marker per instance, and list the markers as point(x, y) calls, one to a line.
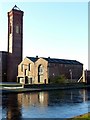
point(63, 85)
point(43, 87)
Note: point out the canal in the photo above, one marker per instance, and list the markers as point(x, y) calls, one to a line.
point(47, 104)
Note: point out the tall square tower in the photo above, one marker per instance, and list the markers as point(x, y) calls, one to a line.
point(15, 42)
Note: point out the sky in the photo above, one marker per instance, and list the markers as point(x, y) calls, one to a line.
point(50, 29)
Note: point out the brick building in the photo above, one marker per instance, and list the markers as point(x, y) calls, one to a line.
point(87, 76)
point(3, 66)
point(31, 69)
point(10, 59)
point(34, 70)
point(15, 42)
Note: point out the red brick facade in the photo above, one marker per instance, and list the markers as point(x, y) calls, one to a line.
point(15, 42)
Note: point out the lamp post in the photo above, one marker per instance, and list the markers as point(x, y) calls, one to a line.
point(70, 74)
point(53, 75)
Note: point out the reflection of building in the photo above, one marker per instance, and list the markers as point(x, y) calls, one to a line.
point(84, 94)
point(52, 98)
point(39, 98)
point(12, 107)
point(39, 70)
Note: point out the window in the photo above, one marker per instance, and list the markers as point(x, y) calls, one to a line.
point(41, 69)
point(22, 67)
point(25, 72)
point(17, 29)
point(0, 59)
point(29, 67)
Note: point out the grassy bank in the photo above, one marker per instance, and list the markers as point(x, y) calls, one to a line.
point(81, 117)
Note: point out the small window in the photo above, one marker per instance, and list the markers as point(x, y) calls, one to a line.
point(22, 67)
point(17, 29)
point(0, 59)
point(29, 67)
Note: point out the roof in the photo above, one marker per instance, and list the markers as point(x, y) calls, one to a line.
point(16, 8)
point(34, 59)
point(55, 60)
point(62, 61)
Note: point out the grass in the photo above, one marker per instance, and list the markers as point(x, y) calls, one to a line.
point(81, 117)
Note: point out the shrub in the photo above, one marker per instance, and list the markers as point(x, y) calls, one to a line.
point(58, 79)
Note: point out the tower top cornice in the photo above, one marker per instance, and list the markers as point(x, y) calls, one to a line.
point(16, 8)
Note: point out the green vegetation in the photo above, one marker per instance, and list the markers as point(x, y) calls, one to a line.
point(81, 117)
point(58, 79)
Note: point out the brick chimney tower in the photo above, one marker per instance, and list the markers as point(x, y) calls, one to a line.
point(15, 42)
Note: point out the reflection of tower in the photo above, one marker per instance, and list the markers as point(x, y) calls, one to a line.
point(12, 107)
point(15, 42)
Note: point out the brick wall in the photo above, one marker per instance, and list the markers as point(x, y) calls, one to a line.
point(64, 69)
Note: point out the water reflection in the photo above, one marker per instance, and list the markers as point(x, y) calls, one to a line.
point(68, 96)
point(11, 107)
point(52, 104)
point(27, 99)
point(0, 106)
point(83, 94)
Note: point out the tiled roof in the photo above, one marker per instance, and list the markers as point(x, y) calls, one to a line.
point(62, 61)
point(55, 60)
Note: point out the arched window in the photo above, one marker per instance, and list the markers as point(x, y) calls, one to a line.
point(41, 69)
point(40, 73)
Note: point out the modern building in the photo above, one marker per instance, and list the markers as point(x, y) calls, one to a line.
point(3, 66)
point(35, 70)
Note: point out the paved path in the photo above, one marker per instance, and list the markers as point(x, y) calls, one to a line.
point(12, 83)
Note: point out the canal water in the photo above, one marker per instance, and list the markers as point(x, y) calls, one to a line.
point(48, 104)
